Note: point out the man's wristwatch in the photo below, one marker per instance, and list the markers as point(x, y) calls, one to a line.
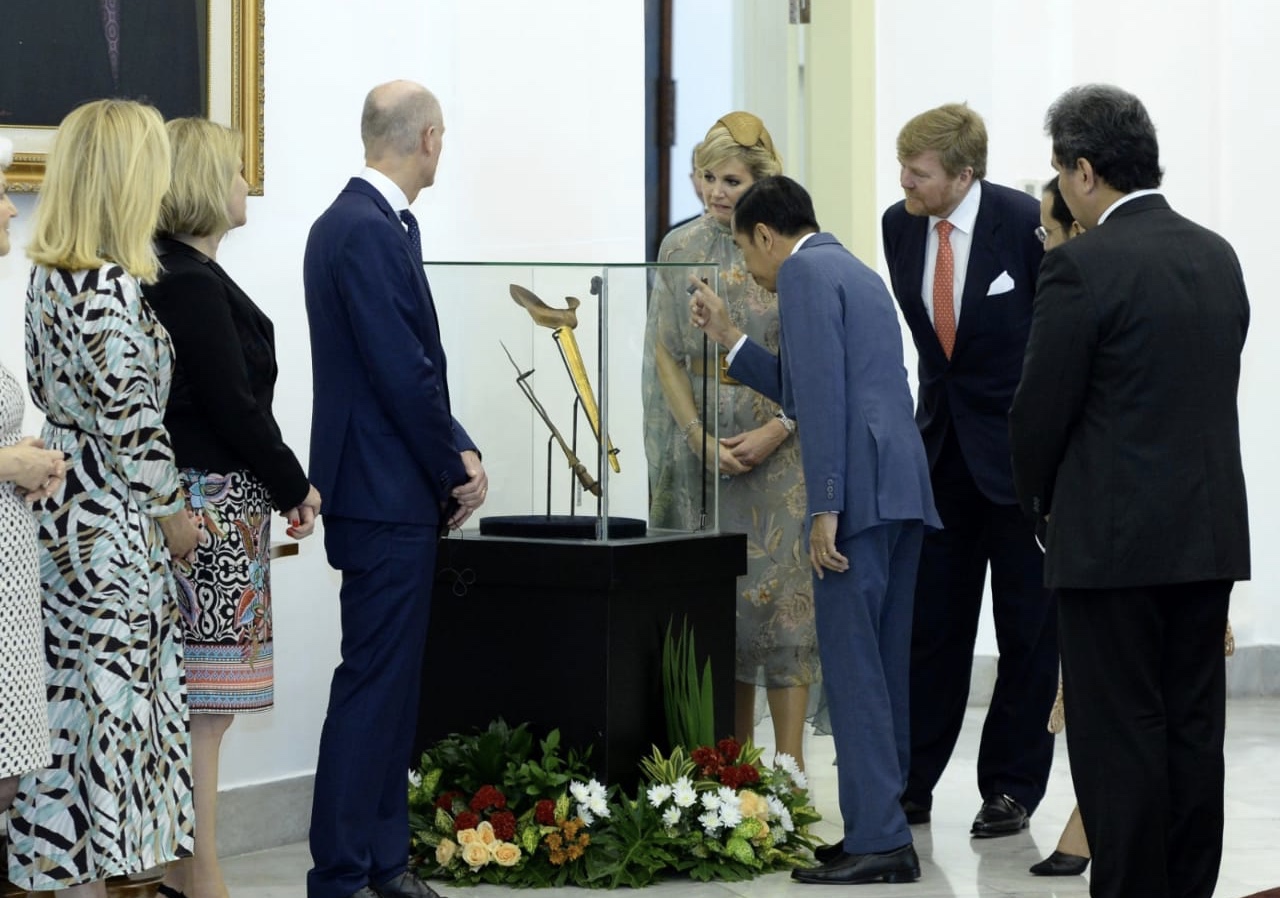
point(788, 423)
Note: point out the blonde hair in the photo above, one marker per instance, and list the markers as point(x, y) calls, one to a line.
point(743, 137)
point(206, 159)
point(955, 132)
point(105, 176)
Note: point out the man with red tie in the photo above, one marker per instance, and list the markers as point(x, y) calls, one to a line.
point(963, 259)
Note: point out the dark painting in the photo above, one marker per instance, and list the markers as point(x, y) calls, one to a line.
point(57, 54)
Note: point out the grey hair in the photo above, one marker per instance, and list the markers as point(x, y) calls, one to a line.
point(393, 122)
point(1111, 128)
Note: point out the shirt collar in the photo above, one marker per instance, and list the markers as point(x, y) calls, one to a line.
point(388, 188)
point(1124, 199)
point(801, 242)
point(965, 215)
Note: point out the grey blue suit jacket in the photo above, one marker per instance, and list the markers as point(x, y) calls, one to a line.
point(839, 373)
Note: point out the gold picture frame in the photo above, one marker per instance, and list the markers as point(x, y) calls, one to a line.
point(235, 86)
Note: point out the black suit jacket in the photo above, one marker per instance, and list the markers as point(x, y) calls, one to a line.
point(53, 57)
point(1124, 428)
point(971, 392)
point(219, 414)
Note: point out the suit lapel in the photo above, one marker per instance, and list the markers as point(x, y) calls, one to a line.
point(981, 270)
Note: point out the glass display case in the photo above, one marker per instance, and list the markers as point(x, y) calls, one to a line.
point(585, 388)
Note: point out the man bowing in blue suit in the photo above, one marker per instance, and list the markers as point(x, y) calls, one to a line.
point(839, 374)
point(394, 467)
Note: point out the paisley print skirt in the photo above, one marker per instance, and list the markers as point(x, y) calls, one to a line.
point(225, 595)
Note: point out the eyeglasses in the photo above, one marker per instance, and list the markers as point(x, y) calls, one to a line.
point(1042, 233)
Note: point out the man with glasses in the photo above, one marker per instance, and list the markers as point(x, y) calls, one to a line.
point(963, 259)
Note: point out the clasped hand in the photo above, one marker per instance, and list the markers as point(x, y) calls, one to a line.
point(40, 472)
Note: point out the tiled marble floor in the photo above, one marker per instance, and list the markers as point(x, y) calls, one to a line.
point(954, 865)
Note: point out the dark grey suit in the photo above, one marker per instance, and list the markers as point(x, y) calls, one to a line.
point(1125, 435)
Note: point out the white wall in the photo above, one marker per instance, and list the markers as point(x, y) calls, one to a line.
point(544, 158)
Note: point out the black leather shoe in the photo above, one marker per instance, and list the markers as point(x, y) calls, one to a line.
point(899, 865)
point(1061, 864)
point(825, 854)
point(1000, 815)
point(406, 885)
point(916, 813)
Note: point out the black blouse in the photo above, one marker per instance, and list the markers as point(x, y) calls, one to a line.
point(219, 414)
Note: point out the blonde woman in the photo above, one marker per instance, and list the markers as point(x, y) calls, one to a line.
point(233, 461)
point(761, 491)
point(117, 797)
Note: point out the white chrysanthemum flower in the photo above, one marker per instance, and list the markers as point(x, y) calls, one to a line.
point(659, 794)
point(671, 816)
point(598, 806)
point(710, 822)
point(787, 825)
point(730, 815)
point(578, 791)
point(587, 819)
point(728, 796)
point(683, 792)
point(776, 807)
point(792, 769)
point(415, 778)
point(711, 801)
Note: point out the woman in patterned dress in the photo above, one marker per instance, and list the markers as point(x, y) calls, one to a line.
point(117, 797)
point(761, 490)
point(28, 472)
point(234, 464)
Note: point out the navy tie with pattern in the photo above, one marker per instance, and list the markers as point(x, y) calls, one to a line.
point(415, 234)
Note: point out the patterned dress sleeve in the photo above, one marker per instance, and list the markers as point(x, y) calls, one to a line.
point(126, 360)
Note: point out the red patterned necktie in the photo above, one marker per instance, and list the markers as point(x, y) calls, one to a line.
point(111, 29)
point(944, 285)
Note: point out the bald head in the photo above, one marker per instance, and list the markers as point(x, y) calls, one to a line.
point(395, 116)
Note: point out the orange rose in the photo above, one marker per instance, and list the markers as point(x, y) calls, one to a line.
point(475, 855)
point(506, 854)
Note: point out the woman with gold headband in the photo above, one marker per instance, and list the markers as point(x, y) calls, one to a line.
point(761, 490)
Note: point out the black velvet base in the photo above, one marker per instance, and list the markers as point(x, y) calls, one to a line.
point(558, 526)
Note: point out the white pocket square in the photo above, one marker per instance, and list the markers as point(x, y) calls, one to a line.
point(1002, 284)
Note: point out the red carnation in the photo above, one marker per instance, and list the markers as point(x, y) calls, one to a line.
point(487, 797)
point(504, 825)
point(748, 774)
point(446, 799)
point(729, 748)
point(545, 812)
point(465, 820)
point(731, 777)
point(708, 760)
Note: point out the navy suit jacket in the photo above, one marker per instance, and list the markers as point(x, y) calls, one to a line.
point(384, 444)
point(972, 391)
point(839, 373)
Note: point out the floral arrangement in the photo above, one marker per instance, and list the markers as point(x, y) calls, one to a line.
point(495, 808)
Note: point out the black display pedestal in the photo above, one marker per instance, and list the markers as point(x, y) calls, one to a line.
point(569, 634)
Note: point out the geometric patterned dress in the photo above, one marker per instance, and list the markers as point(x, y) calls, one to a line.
point(24, 720)
point(117, 797)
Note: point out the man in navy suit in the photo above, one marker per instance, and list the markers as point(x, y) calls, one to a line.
point(1126, 444)
point(839, 374)
point(395, 468)
point(963, 259)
